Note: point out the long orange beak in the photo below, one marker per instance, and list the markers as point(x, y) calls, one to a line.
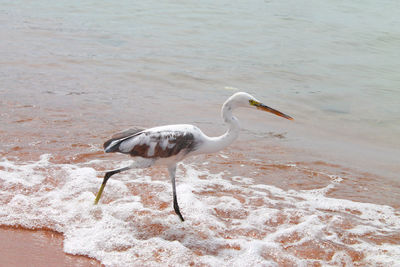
point(273, 111)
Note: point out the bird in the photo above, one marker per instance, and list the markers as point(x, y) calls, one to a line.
point(170, 144)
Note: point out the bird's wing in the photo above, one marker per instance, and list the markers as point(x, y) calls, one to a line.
point(128, 132)
point(156, 143)
point(108, 145)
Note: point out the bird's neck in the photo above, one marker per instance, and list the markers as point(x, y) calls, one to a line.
point(220, 142)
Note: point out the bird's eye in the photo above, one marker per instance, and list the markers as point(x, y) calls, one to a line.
point(252, 102)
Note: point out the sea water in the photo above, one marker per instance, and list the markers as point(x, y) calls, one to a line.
point(230, 220)
point(321, 189)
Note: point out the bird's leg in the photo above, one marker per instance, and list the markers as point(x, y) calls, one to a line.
point(172, 171)
point(143, 163)
point(106, 177)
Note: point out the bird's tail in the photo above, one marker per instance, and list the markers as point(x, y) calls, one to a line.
point(112, 145)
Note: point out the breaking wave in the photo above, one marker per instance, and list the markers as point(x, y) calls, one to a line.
point(230, 220)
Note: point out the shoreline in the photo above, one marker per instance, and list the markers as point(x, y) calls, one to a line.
point(30, 247)
point(45, 247)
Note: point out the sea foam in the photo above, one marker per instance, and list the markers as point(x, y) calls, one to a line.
point(230, 221)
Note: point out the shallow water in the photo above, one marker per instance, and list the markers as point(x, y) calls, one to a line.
point(323, 189)
point(332, 66)
point(230, 219)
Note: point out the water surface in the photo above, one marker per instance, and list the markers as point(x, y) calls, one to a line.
point(72, 73)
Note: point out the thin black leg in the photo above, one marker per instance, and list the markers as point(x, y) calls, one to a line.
point(111, 173)
point(172, 171)
point(176, 208)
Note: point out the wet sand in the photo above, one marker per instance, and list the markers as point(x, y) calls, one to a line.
point(23, 247)
point(282, 166)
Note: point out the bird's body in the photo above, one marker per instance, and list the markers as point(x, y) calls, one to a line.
point(159, 142)
point(167, 145)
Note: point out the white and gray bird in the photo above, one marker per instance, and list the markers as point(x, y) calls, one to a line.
point(167, 145)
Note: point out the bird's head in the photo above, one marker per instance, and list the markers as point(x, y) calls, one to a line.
point(246, 100)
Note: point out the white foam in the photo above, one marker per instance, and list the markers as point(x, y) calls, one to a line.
point(227, 223)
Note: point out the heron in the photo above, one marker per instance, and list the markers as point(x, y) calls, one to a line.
point(170, 144)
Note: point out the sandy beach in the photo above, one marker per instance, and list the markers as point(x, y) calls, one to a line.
point(22, 247)
point(322, 190)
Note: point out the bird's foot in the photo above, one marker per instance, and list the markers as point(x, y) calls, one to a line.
point(177, 211)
